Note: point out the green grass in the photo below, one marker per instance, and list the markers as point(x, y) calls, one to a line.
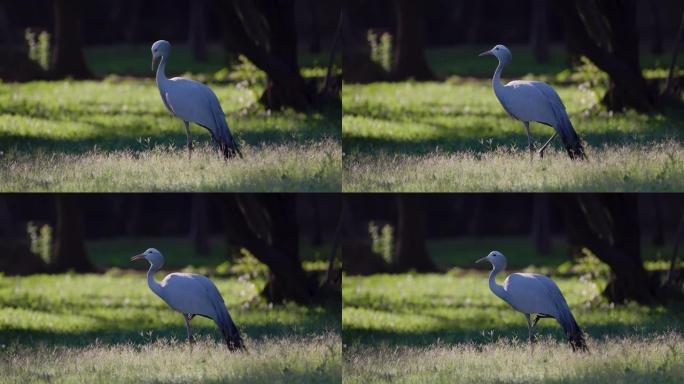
point(114, 134)
point(451, 328)
point(454, 135)
point(111, 327)
point(117, 136)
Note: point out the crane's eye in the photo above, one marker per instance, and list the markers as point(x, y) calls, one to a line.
point(497, 48)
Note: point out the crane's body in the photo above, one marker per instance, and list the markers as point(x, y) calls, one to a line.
point(534, 101)
point(193, 102)
point(534, 295)
point(191, 295)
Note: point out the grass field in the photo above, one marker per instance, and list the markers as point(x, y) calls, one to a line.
point(110, 327)
point(453, 135)
point(114, 134)
point(451, 328)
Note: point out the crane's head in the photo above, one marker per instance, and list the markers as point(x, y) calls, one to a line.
point(153, 256)
point(501, 52)
point(497, 259)
point(160, 48)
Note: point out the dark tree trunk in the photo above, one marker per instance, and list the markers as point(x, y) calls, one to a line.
point(358, 257)
point(657, 20)
point(409, 60)
point(6, 230)
point(475, 22)
point(608, 225)
point(411, 251)
point(285, 87)
point(315, 45)
point(70, 253)
point(131, 25)
point(357, 66)
point(199, 223)
point(539, 31)
point(266, 225)
point(606, 32)
point(541, 223)
point(68, 59)
point(197, 30)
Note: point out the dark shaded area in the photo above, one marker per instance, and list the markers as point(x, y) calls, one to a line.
point(270, 226)
point(267, 32)
point(611, 226)
point(613, 34)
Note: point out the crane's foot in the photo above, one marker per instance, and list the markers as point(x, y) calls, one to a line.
point(541, 153)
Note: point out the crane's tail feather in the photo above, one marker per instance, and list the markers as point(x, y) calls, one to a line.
point(573, 332)
point(571, 141)
point(231, 335)
point(225, 323)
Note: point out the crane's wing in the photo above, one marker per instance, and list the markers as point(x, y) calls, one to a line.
point(190, 293)
point(533, 293)
point(195, 102)
point(538, 101)
point(527, 102)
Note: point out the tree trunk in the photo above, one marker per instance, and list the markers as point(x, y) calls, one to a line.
point(539, 31)
point(606, 33)
point(285, 86)
point(409, 60)
point(608, 225)
point(197, 30)
point(411, 251)
point(68, 59)
point(657, 42)
point(315, 45)
point(357, 66)
point(266, 226)
point(541, 223)
point(70, 253)
point(199, 223)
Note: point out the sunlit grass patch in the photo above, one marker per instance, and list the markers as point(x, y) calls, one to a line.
point(112, 328)
point(116, 135)
point(640, 167)
point(446, 328)
point(309, 166)
point(283, 359)
point(455, 136)
point(655, 359)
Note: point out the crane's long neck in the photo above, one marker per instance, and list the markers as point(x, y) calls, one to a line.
point(161, 71)
point(154, 286)
point(496, 80)
point(496, 288)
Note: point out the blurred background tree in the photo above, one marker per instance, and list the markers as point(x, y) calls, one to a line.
point(612, 34)
point(282, 231)
point(272, 34)
point(441, 231)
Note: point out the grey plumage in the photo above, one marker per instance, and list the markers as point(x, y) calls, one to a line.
point(534, 294)
point(534, 101)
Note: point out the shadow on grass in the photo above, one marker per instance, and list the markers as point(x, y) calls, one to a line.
point(452, 331)
point(459, 137)
point(117, 331)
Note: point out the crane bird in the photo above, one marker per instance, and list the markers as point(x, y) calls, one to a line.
point(191, 294)
point(534, 294)
point(534, 101)
point(193, 102)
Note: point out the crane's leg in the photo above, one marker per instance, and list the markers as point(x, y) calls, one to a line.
point(529, 138)
point(187, 319)
point(529, 327)
point(187, 131)
point(541, 150)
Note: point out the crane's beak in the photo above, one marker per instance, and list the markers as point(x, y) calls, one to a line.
point(485, 53)
point(154, 59)
point(484, 258)
point(137, 257)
